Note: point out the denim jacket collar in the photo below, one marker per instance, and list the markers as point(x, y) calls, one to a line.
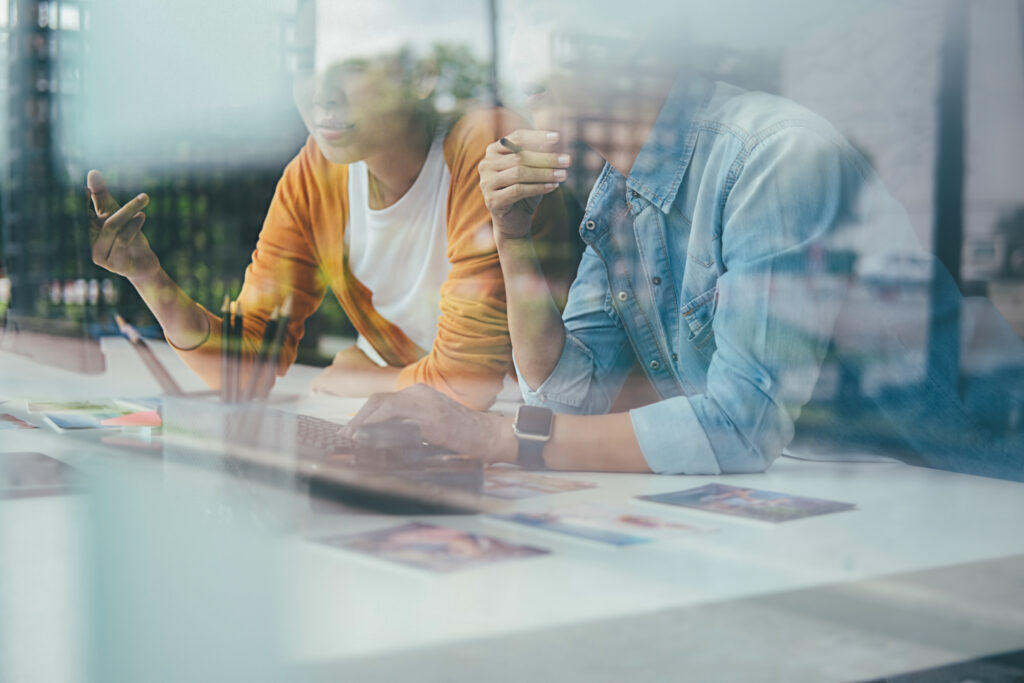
point(658, 170)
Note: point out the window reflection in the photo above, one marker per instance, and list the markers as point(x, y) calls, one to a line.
point(859, 296)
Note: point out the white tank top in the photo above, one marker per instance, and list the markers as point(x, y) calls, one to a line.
point(401, 252)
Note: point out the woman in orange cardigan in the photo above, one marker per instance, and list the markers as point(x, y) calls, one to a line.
point(382, 206)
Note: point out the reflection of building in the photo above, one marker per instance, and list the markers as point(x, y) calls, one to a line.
point(749, 69)
point(999, 253)
point(209, 194)
point(5, 284)
point(44, 41)
point(855, 65)
point(4, 77)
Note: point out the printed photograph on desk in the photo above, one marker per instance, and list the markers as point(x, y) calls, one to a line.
point(603, 525)
point(509, 484)
point(9, 422)
point(765, 506)
point(139, 404)
point(63, 422)
point(103, 406)
point(433, 548)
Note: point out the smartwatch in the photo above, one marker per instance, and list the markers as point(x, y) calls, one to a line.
point(532, 428)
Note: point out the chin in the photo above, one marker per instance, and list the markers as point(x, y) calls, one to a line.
point(337, 154)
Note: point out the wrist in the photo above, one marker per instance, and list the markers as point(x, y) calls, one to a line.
point(512, 237)
point(500, 443)
point(147, 278)
point(512, 232)
point(515, 250)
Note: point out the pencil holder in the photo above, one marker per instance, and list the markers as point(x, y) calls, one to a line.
point(234, 459)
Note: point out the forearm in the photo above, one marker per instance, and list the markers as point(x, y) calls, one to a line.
point(183, 323)
point(353, 374)
point(598, 443)
point(602, 443)
point(370, 380)
point(472, 382)
point(534, 322)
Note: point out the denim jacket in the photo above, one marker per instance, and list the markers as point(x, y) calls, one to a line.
point(720, 263)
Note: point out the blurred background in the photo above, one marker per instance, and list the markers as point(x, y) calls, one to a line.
point(191, 103)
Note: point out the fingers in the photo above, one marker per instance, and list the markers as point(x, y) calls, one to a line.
point(544, 159)
point(499, 157)
point(108, 239)
point(378, 408)
point(523, 165)
point(535, 140)
point(102, 201)
point(129, 210)
point(95, 181)
point(441, 420)
point(526, 174)
point(121, 227)
point(132, 228)
point(512, 194)
point(500, 161)
point(407, 404)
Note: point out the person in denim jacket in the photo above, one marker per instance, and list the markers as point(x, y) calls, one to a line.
point(730, 239)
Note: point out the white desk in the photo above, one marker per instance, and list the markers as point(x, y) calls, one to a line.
point(928, 570)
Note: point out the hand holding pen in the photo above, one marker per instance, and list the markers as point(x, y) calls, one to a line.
point(516, 173)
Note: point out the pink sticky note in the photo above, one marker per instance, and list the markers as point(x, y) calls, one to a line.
point(145, 418)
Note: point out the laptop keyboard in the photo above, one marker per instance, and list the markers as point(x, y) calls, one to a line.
point(321, 436)
point(381, 445)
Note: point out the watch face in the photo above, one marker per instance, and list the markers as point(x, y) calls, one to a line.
point(533, 420)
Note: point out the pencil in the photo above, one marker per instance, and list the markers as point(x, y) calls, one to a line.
point(263, 356)
point(164, 378)
point(236, 354)
point(508, 144)
point(225, 343)
point(275, 349)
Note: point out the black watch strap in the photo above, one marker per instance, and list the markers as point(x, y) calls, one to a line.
point(531, 454)
point(532, 427)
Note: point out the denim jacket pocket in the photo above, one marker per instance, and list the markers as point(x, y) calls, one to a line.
point(699, 314)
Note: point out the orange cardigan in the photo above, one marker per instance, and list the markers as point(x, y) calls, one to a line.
point(301, 252)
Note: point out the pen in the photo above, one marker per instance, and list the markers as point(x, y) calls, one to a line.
point(508, 144)
point(263, 356)
point(167, 383)
point(275, 349)
point(236, 353)
point(225, 342)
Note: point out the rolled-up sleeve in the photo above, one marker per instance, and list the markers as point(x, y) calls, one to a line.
point(567, 388)
point(790, 222)
point(672, 438)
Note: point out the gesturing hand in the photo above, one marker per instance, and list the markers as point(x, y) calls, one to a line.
point(515, 177)
point(116, 232)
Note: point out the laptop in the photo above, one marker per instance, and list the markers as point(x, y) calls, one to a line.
point(386, 467)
